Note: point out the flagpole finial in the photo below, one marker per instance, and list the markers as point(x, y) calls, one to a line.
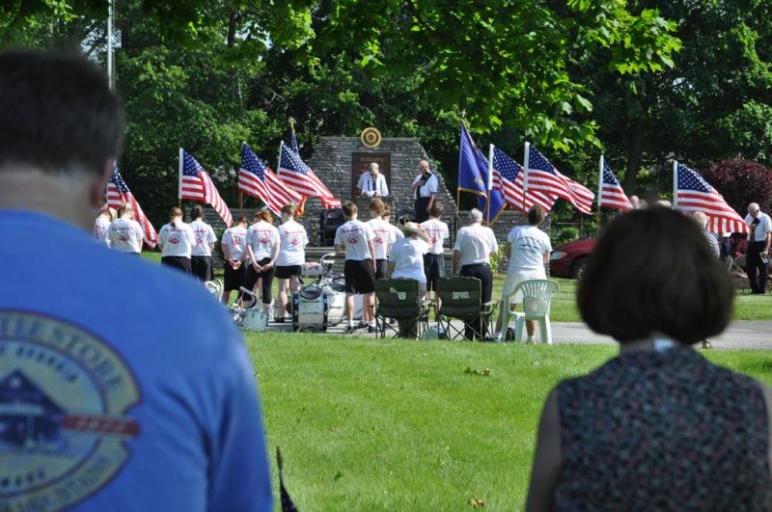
point(291, 121)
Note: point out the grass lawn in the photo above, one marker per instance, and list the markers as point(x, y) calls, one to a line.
point(401, 425)
point(747, 306)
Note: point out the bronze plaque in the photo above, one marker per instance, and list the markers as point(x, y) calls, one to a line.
point(360, 162)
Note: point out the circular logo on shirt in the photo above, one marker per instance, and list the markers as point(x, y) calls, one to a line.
point(64, 430)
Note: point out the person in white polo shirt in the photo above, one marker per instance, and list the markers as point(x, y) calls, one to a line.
point(201, 254)
point(373, 183)
point(396, 232)
point(425, 187)
point(434, 261)
point(757, 255)
point(126, 234)
point(102, 223)
point(474, 245)
point(263, 245)
point(234, 251)
point(529, 250)
point(355, 239)
point(176, 240)
point(292, 257)
point(384, 237)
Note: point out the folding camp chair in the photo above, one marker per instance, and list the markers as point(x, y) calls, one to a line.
point(401, 299)
point(462, 300)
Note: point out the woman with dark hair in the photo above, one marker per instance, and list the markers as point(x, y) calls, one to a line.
point(176, 240)
point(658, 427)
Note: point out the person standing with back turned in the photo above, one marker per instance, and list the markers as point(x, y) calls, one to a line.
point(658, 427)
point(142, 394)
point(201, 254)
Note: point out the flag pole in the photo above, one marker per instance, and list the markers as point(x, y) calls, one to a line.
point(110, 45)
point(600, 191)
point(526, 154)
point(675, 184)
point(489, 185)
point(179, 183)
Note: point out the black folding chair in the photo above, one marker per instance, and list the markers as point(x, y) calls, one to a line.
point(462, 300)
point(401, 299)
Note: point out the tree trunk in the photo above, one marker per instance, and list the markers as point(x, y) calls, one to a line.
point(634, 154)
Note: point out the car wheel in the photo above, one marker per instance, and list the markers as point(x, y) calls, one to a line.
point(577, 269)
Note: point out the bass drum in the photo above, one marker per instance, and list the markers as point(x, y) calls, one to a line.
point(309, 309)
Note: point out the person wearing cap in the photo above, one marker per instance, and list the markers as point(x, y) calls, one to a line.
point(201, 254)
point(372, 183)
point(471, 253)
point(406, 261)
point(125, 233)
point(529, 250)
point(102, 224)
point(292, 257)
point(263, 245)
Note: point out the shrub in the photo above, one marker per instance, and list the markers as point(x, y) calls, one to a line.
point(741, 182)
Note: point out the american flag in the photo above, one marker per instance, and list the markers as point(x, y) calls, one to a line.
point(300, 178)
point(196, 185)
point(118, 193)
point(611, 193)
point(543, 177)
point(508, 177)
point(694, 194)
point(258, 180)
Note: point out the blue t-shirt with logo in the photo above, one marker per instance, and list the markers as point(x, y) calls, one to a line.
point(124, 386)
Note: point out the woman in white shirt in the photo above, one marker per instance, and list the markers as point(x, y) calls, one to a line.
point(529, 250)
point(201, 254)
point(292, 257)
point(406, 261)
point(126, 234)
point(263, 249)
point(176, 240)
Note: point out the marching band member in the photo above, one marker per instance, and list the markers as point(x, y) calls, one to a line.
point(101, 229)
point(292, 257)
point(434, 261)
point(126, 234)
point(424, 187)
point(233, 244)
point(355, 239)
point(373, 183)
point(263, 248)
point(474, 245)
point(176, 240)
point(201, 254)
point(384, 237)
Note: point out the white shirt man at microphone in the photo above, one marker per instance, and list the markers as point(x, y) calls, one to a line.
point(373, 183)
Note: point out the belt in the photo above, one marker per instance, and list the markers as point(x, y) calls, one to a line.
point(476, 265)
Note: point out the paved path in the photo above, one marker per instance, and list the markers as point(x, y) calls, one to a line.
point(740, 335)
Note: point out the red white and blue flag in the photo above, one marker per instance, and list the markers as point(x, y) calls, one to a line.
point(196, 185)
point(258, 180)
point(694, 194)
point(612, 195)
point(508, 177)
point(542, 176)
point(118, 193)
point(299, 177)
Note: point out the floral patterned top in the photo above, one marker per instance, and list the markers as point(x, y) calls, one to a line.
point(663, 431)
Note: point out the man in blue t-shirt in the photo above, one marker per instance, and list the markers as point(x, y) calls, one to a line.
point(123, 385)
